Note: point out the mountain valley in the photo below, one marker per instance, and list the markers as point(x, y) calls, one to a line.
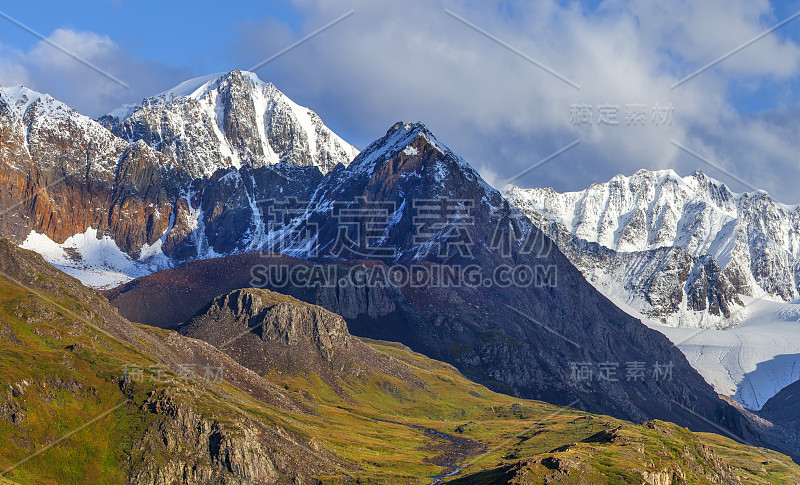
point(212, 287)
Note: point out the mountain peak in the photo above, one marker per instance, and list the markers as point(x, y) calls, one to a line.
point(707, 183)
point(230, 119)
point(19, 99)
point(399, 138)
point(416, 128)
point(195, 89)
point(199, 87)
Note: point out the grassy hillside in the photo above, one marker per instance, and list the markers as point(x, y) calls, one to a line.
point(561, 445)
point(69, 414)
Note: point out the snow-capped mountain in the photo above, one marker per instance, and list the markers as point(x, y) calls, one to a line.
point(182, 181)
point(679, 250)
point(407, 164)
point(33, 121)
point(230, 120)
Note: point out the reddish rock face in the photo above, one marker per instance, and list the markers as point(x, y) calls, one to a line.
point(62, 173)
point(160, 173)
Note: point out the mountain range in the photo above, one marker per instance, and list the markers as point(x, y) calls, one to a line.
point(178, 177)
point(201, 193)
point(682, 251)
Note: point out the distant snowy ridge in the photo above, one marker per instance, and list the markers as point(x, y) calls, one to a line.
point(679, 250)
point(715, 271)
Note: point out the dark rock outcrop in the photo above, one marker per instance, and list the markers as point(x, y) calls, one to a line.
point(267, 332)
point(782, 410)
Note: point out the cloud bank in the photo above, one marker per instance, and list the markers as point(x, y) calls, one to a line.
point(412, 61)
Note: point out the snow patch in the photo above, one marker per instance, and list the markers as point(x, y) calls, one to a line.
point(97, 263)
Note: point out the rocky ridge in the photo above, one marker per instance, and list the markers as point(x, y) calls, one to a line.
point(230, 120)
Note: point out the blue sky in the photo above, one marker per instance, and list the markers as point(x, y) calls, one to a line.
point(411, 61)
point(194, 35)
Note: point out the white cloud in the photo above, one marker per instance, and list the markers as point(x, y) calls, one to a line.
point(47, 69)
point(701, 32)
point(411, 61)
point(11, 71)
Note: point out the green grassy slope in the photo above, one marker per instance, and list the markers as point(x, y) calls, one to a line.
point(68, 415)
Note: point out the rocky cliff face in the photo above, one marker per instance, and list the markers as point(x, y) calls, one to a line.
point(667, 284)
point(678, 250)
point(277, 320)
point(782, 411)
point(61, 175)
point(409, 185)
point(184, 446)
point(270, 332)
point(148, 299)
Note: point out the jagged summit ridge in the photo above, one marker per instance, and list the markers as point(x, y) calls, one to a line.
point(398, 138)
point(16, 101)
point(414, 141)
point(230, 120)
point(651, 210)
point(195, 88)
point(37, 119)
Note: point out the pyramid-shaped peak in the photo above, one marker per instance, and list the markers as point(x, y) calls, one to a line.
point(200, 86)
point(403, 134)
point(397, 139)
